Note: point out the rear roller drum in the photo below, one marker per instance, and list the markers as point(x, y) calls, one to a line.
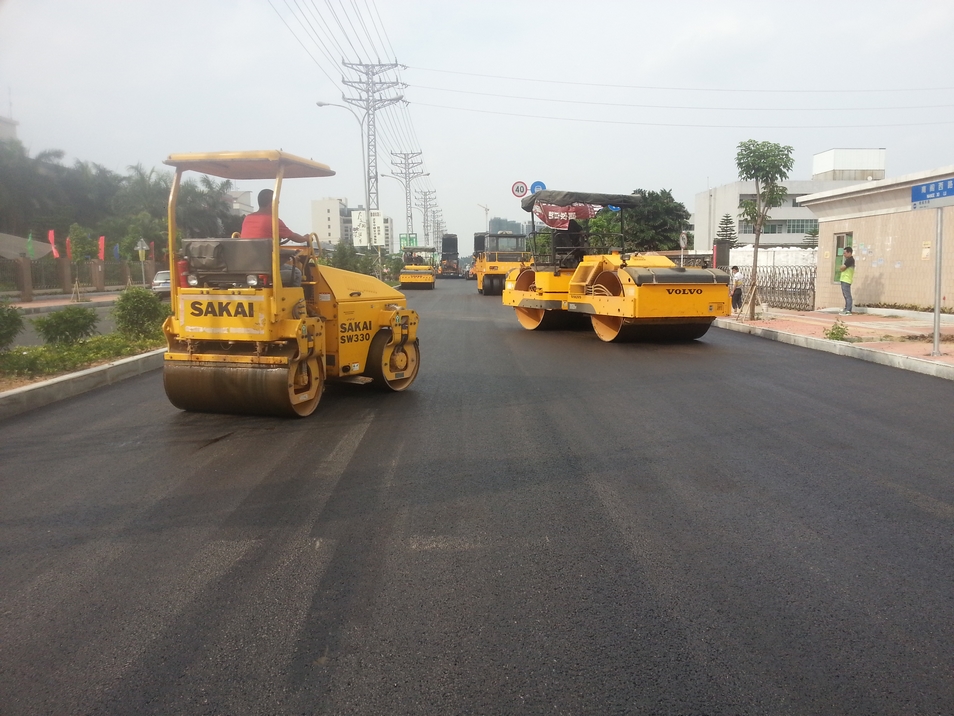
point(393, 367)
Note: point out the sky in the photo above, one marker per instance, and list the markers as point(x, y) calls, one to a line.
point(599, 96)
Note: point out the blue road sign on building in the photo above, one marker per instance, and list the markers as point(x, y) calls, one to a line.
point(933, 194)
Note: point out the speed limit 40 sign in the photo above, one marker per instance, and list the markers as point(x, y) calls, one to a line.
point(519, 189)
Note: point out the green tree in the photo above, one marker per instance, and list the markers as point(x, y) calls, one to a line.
point(28, 186)
point(768, 165)
point(84, 245)
point(726, 232)
point(655, 225)
point(811, 238)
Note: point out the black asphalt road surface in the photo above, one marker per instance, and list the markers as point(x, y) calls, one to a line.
point(543, 523)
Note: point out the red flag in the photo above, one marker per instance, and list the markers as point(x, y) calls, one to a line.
point(56, 254)
point(102, 248)
point(152, 250)
point(69, 249)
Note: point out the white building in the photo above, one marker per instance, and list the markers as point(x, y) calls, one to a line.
point(787, 224)
point(331, 220)
point(8, 128)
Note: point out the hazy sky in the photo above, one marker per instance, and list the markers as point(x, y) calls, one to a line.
point(594, 96)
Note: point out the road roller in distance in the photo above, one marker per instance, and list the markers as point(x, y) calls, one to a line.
point(496, 255)
point(626, 295)
point(418, 270)
point(259, 328)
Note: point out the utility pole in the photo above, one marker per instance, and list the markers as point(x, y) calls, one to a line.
point(437, 225)
point(369, 89)
point(405, 169)
point(426, 199)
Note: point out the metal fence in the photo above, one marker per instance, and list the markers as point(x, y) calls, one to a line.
point(9, 275)
point(791, 287)
point(43, 274)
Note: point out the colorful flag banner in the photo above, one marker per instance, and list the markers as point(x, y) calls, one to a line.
point(30, 245)
point(69, 249)
point(56, 253)
point(116, 251)
point(102, 248)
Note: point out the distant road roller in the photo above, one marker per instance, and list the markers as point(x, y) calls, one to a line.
point(418, 270)
point(259, 328)
point(625, 295)
point(496, 255)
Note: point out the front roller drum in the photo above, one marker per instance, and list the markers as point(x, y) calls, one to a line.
point(393, 366)
point(615, 329)
point(290, 390)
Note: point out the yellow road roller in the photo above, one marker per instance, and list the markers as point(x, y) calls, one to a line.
point(496, 255)
point(418, 270)
point(259, 328)
point(625, 295)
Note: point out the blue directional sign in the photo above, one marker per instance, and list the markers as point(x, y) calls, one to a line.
point(612, 208)
point(537, 186)
point(933, 194)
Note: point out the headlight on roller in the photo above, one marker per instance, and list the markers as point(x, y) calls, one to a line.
point(192, 279)
point(251, 280)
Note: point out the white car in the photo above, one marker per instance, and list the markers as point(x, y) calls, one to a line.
point(161, 285)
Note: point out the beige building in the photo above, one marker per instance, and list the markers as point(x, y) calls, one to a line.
point(894, 244)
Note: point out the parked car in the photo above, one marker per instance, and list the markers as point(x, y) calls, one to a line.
point(160, 285)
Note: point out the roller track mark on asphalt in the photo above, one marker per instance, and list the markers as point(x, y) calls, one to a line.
point(273, 591)
point(932, 506)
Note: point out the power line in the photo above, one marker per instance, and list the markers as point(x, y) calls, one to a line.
point(690, 126)
point(683, 107)
point(683, 89)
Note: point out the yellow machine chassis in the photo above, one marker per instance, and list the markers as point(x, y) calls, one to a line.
point(268, 350)
point(642, 297)
point(492, 274)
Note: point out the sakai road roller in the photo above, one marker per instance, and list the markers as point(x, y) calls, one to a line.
point(418, 270)
point(496, 255)
point(259, 328)
point(625, 295)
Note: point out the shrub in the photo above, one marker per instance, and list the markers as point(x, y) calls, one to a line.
point(837, 332)
point(67, 325)
point(139, 313)
point(11, 323)
point(35, 361)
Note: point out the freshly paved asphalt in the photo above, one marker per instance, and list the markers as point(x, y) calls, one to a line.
point(543, 524)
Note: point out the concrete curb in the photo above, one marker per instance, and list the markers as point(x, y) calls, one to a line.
point(20, 400)
point(916, 365)
point(49, 308)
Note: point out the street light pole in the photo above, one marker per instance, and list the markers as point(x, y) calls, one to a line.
point(364, 171)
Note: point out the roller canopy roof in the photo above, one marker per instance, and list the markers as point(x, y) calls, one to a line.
point(567, 198)
point(249, 165)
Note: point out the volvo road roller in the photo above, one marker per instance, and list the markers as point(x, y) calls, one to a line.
point(626, 295)
point(496, 255)
point(259, 328)
point(418, 270)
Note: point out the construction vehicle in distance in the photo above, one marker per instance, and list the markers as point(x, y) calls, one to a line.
point(258, 329)
point(418, 270)
point(496, 255)
point(626, 295)
point(450, 258)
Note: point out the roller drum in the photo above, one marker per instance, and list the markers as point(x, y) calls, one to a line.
point(240, 388)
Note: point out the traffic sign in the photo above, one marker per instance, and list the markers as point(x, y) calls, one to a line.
point(519, 189)
point(537, 186)
point(933, 194)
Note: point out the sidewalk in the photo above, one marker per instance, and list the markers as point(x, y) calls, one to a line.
point(45, 304)
point(900, 339)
